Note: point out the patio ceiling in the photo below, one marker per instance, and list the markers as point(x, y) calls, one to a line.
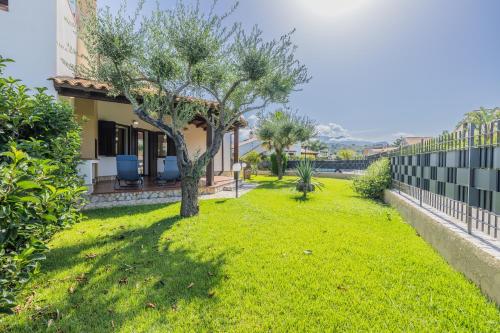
point(88, 89)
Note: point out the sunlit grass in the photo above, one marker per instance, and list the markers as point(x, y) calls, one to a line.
point(265, 262)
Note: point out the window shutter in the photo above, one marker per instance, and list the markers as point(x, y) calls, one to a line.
point(107, 138)
point(171, 151)
point(133, 141)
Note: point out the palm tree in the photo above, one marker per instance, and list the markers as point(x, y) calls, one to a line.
point(479, 117)
point(316, 145)
point(281, 129)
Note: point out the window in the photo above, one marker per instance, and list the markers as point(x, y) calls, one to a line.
point(121, 140)
point(4, 4)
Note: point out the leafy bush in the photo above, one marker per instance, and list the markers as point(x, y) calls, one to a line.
point(306, 183)
point(274, 163)
point(346, 154)
point(253, 159)
point(40, 191)
point(31, 211)
point(376, 179)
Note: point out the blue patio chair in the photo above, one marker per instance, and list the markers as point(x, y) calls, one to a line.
point(170, 172)
point(127, 167)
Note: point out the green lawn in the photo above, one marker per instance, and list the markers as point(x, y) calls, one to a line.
point(243, 265)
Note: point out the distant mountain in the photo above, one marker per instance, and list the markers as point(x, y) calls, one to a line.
point(343, 142)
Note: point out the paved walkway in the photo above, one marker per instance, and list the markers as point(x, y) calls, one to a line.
point(226, 194)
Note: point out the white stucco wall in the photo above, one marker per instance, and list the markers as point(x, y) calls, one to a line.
point(28, 35)
point(218, 164)
point(31, 33)
point(66, 38)
point(121, 114)
point(196, 140)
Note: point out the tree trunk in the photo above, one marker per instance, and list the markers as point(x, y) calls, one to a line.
point(189, 204)
point(279, 163)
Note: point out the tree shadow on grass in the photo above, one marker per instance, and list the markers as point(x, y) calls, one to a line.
point(301, 199)
point(276, 184)
point(140, 270)
point(125, 210)
point(379, 202)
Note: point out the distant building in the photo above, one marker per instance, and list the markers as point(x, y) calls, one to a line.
point(406, 141)
point(411, 140)
point(251, 144)
point(377, 150)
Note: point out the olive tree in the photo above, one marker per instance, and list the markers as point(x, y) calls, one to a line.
point(281, 129)
point(155, 61)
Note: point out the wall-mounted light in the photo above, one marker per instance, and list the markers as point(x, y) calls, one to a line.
point(135, 124)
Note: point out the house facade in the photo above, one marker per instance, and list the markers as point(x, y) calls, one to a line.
point(39, 35)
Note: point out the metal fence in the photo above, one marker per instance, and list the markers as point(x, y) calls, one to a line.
point(456, 173)
point(460, 213)
point(333, 165)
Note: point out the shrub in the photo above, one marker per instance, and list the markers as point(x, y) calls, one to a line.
point(274, 163)
point(252, 159)
point(346, 154)
point(40, 191)
point(376, 179)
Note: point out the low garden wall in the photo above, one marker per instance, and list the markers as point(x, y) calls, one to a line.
point(320, 174)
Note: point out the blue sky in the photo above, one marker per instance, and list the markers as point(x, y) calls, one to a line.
point(382, 68)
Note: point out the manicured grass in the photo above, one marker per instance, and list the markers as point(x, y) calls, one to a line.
point(244, 265)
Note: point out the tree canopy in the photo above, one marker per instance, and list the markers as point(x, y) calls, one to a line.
point(156, 61)
point(281, 129)
point(479, 117)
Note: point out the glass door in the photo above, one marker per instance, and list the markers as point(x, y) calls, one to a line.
point(141, 151)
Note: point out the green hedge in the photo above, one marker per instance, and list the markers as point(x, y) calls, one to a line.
point(376, 179)
point(274, 163)
point(40, 192)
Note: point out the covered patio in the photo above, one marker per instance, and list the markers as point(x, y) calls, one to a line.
point(110, 128)
point(106, 196)
point(108, 187)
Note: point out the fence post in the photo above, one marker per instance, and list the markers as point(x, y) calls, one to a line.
point(468, 210)
point(421, 171)
point(400, 165)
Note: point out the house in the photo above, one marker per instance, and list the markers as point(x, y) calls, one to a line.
point(38, 36)
point(377, 150)
point(412, 140)
point(252, 144)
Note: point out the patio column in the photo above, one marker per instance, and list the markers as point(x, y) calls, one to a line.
point(210, 166)
point(236, 151)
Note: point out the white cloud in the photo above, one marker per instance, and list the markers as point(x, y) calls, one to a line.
point(401, 134)
point(332, 131)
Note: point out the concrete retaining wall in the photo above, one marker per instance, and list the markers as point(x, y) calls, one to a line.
point(336, 175)
point(476, 258)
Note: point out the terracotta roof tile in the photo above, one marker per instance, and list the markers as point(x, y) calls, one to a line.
point(80, 83)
